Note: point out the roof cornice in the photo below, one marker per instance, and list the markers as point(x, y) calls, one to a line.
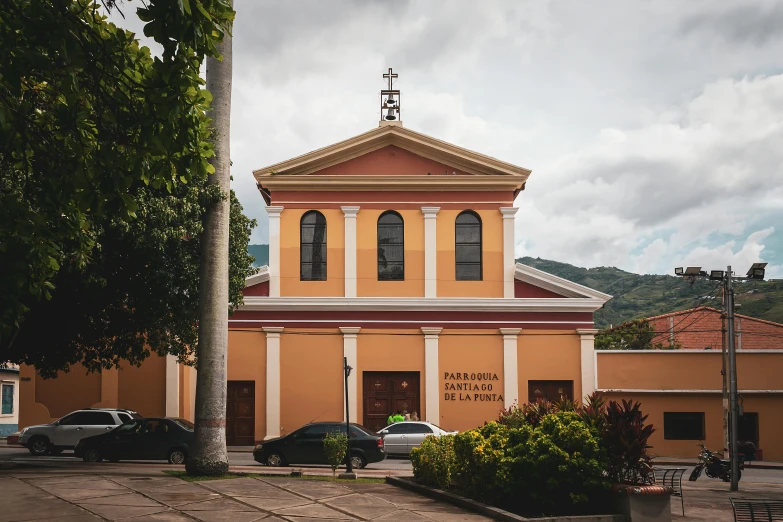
point(402, 137)
point(399, 304)
point(381, 183)
point(558, 285)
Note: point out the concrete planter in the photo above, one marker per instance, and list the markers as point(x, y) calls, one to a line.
point(643, 503)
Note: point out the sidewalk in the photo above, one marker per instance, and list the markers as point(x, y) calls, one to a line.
point(150, 496)
point(680, 461)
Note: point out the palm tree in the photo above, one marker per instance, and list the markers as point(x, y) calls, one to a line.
point(208, 455)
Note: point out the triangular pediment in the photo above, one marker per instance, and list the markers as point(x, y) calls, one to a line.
point(553, 286)
point(419, 150)
point(391, 160)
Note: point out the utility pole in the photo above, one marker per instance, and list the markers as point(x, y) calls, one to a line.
point(733, 411)
point(724, 372)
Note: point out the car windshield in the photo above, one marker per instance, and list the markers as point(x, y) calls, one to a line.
point(129, 427)
point(185, 424)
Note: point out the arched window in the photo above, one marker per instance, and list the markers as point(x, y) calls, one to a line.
point(312, 247)
point(391, 247)
point(468, 246)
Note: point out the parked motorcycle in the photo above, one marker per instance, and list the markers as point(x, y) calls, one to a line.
point(715, 466)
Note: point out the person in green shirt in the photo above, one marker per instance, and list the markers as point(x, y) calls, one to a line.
point(398, 417)
point(390, 420)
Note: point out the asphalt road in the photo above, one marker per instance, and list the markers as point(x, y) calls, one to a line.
point(235, 458)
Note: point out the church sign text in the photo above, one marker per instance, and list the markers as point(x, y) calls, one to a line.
point(471, 386)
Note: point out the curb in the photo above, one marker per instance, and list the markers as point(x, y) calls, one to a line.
point(489, 511)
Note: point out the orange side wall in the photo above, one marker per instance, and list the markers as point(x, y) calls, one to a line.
point(143, 388)
point(311, 377)
point(70, 391)
point(290, 285)
point(472, 352)
point(548, 355)
point(367, 256)
point(492, 256)
point(380, 351)
point(247, 362)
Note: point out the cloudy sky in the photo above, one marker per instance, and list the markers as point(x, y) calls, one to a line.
point(654, 130)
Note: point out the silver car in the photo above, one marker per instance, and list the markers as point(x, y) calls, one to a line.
point(401, 437)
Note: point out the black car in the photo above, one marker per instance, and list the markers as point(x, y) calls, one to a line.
point(306, 446)
point(140, 439)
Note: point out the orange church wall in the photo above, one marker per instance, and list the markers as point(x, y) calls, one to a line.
point(390, 351)
point(396, 199)
point(471, 352)
point(67, 392)
point(681, 370)
point(143, 388)
point(247, 362)
point(492, 256)
point(311, 377)
point(548, 355)
point(389, 161)
point(367, 256)
point(290, 285)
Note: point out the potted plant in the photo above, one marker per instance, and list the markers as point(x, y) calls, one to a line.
point(630, 468)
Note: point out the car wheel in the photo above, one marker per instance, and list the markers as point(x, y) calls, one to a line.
point(358, 462)
point(177, 456)
point(38, 446)
point(92, 455)
point(274, 459)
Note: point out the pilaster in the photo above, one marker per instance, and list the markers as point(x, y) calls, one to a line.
point(430, 251)
point(172, 386)
point(509, 266)
point(431, 372)
point(510, 367)
point(350, 352)
point(350, 250)
point(587, 351)
point(272, 381)
point(274, 250)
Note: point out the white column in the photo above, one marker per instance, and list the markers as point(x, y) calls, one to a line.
point(430, 251)
point(272, 382)
point(274, 250)
point(172, 386)
point(350, 353)
point(587, 349)
point(431, 388)
point(350, 250)
point(509, 266)
point(510, 368)
point(193, 379)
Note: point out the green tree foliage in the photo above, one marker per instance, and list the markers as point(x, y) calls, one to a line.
point(88, 121)
point(635, 335)
point(335, 447)
point(434, 462)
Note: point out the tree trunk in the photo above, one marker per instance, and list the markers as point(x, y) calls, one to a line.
point(208, 456)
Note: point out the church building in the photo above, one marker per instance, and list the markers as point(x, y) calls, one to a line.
point(392, 251)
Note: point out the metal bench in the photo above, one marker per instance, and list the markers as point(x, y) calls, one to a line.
point(671, 477)
point(757, 509)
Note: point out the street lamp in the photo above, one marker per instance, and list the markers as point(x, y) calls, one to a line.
point(756, 272)
point(348, 463)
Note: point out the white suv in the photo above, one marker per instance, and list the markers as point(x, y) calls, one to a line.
point(65, 433)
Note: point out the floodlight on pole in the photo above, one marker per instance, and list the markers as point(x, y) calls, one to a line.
point(757, 271)
point(693, 271)
point(716, 275)
point(678, 271)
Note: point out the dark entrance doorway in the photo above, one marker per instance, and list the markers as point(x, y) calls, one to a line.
point(384, 392)
point(748, 428)
point(241, 413)
point(550, 390)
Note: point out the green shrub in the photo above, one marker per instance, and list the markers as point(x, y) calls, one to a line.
point(335, 447)
point(556, 467)
point(433, 461)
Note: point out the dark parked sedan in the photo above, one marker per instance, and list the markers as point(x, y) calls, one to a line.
point(140, 439)
point(306, 446)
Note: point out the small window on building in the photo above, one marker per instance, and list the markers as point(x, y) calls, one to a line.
point(391, 247)
point(7, 399)
point(312, 236)
point(683, 425)
point(467, 247)
point(552, 391)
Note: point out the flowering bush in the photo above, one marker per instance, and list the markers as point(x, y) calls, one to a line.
point(433, 461)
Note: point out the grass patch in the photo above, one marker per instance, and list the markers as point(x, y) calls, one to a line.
point(323, 478)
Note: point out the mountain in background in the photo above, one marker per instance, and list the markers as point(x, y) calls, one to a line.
point(260, 252)
point(637, 296)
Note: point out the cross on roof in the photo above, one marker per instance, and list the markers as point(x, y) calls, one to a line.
point(390, 75)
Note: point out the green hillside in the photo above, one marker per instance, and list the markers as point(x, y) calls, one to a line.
point(260, 252)
point(637, 296)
